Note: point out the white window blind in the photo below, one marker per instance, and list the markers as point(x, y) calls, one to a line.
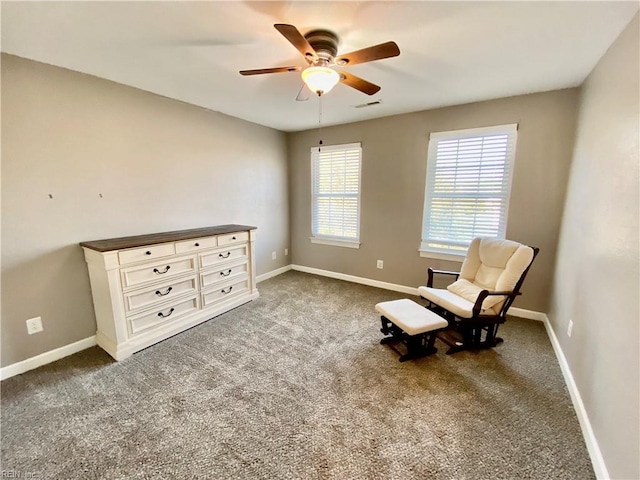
point(468, 186)
point(336, 192)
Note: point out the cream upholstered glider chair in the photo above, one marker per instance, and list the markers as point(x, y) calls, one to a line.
point(477, 302)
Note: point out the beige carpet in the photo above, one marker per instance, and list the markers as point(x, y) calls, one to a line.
point(295, 385)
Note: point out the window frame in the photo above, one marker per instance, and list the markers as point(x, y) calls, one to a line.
point(334, 240)
point(511, 130)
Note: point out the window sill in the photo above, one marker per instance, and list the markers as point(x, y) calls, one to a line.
point(452, 257)
point(335, 243)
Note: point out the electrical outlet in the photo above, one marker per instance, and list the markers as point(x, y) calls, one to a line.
point(286, 252)
point(273, 255)
point(570, 328)
point(380, 264)
point(34, 325)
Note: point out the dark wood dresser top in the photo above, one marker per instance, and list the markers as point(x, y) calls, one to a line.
point(164, 237)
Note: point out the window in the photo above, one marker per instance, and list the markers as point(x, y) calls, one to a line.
point(467, 191)
point(335, 203)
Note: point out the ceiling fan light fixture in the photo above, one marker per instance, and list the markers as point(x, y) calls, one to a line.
point(320, 80)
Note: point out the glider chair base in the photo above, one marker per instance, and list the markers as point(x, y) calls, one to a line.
point(408, 323)
point(460, 337)
point(463, 333)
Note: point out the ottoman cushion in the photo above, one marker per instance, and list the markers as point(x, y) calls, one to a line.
point(410, 316)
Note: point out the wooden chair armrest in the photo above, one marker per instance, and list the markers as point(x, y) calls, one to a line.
point(505, 293)
point(431, 272)
point(477, 307)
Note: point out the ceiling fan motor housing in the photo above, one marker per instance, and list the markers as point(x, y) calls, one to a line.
point(325, 43)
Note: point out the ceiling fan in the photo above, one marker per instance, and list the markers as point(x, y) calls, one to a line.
point(320, 48)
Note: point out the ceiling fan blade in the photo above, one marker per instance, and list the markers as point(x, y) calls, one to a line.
point(260, 71)
point(359, 83)
point(304, 94)
point(296, 39)
point(369, 54)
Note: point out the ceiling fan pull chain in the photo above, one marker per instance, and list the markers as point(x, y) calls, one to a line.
point(319, 121)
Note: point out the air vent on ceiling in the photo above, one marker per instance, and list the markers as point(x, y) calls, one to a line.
point(370, 104)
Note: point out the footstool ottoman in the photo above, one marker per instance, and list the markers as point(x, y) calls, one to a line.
point(408, 322)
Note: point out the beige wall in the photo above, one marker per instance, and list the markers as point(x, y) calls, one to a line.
point(596, 279)
point(159, 165)
point(394, 153)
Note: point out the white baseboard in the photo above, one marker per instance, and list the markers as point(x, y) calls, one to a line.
point(47, 357)
point(597, 460)
point(529, 314)
point(516, 312)
point(354, 279)
point(272, 273)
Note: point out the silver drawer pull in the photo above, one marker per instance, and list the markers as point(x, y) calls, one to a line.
point(223, 291)
point(155, 270)
point(165, 293)
point(225, 256)
point(226, 274)
point(160, 314)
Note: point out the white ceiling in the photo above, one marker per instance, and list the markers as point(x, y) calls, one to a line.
point(451, 52)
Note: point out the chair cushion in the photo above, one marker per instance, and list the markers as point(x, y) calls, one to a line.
point(470, 291)
point(494, 265)
point(448, 300)
point(486, 260)
point(517, 264)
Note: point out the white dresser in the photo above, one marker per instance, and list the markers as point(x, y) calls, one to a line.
point(150, 287)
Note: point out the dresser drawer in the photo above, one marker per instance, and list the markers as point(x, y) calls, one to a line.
point(209, 259)
point(170, 312)
point(157, 271)
point(233, 238)
point(225, 291)
point(223, 274)
point(150, 296)
point(196, 244)
point(145, 253)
